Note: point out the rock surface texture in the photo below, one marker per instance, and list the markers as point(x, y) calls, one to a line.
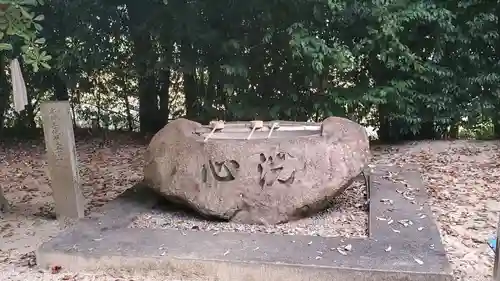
point(262, 180)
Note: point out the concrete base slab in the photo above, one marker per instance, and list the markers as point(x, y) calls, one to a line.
point(403, 244)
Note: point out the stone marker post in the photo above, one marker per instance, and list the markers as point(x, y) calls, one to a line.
point(61, 156)
point(496, 266)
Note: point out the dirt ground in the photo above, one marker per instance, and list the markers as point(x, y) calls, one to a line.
point(462, 179)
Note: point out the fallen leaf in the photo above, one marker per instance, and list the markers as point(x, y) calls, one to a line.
point(419, 261)
point(55, 269)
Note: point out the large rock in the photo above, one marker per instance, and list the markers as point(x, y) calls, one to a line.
point(266, 181)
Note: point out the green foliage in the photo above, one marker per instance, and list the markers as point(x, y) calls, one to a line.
point(413, 69)
point(19, 29)
point(480, 131)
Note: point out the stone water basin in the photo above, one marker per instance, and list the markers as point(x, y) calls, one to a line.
point(256, 172)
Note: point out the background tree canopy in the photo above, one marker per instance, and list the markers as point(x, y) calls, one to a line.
point(412, 69)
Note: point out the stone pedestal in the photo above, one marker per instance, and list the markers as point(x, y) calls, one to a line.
point(61, 157)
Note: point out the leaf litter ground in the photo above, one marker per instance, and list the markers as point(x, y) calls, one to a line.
point(462, 179)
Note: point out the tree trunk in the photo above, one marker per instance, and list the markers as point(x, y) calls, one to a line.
point(205, 110)
point(60, 88)
point(130, 123)
point(164, 95)
point(211, 92)
point(73, 111)
point(454, 128)
point(427, 131)
point(384, 132)
point(496, 125)
point(144, 58)
point(30, 116)
point(189, 82)
point(191, 97)
point(98, 101)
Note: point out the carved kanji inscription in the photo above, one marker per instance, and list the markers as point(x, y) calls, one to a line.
point(221, 171)
point(276, 167)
